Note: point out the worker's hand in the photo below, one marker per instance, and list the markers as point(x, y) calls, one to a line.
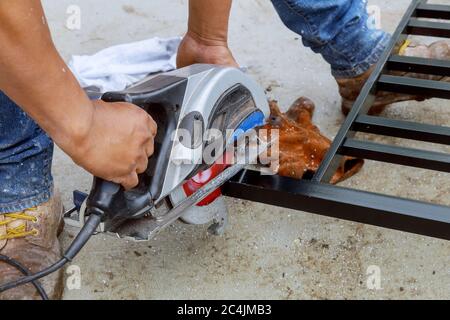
point(118, 143)
point(195, 49)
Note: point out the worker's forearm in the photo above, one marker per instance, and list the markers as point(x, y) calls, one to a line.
point(208, 20)
point(34, 75)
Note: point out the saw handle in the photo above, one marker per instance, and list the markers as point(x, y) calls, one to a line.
point(160, 97)
point(102, 196)
point(114, 204)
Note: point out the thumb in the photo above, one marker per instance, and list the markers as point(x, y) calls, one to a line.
point(129, 182)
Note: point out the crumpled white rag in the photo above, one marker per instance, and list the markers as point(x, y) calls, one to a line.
point(117, 67)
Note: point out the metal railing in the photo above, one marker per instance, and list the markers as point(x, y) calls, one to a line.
point(318, 196)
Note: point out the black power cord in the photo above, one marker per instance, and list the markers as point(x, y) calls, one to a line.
point(82, 238)
point(16, 264)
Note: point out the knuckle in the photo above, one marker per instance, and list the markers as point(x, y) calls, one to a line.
point(151, 150)
point(153, 126)
point(143, 115)
point(142, 169)
point(132, 166)
point(131, 181)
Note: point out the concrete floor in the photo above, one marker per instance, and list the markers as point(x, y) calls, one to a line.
point(267, 252)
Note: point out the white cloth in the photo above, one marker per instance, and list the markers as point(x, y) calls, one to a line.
point(117, 67)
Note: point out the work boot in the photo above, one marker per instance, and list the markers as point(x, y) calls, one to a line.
point(31, 238)
point(350, 88)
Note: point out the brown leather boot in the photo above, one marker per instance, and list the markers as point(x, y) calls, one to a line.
point(31, 238)
point(351, 87)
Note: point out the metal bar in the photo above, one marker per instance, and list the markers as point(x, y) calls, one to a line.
point(414, 86)
point(332, 201)
point(354, 205)
point(419, 65)
point(428, 28)
point(363, 103)
point(398, 155)
point(402, 129)
point(436, 11)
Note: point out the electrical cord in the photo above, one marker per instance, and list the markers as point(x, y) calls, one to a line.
point(16, 264)
point(80, 241)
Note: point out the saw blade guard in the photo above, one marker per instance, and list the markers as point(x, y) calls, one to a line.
point(252, 121)
point(208, 210)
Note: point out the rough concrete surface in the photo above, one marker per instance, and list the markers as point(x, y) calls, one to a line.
point(266, 252)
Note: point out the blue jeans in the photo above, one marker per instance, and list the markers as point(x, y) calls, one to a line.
point(25, 160)
point(337, 29)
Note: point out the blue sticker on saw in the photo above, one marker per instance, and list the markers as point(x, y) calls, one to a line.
point(252, 121)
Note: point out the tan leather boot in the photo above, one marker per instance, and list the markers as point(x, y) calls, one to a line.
point(31, 238)
point(351, 87)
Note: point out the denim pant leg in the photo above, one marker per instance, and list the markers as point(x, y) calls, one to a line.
point(25, 160)
point(338, 30)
